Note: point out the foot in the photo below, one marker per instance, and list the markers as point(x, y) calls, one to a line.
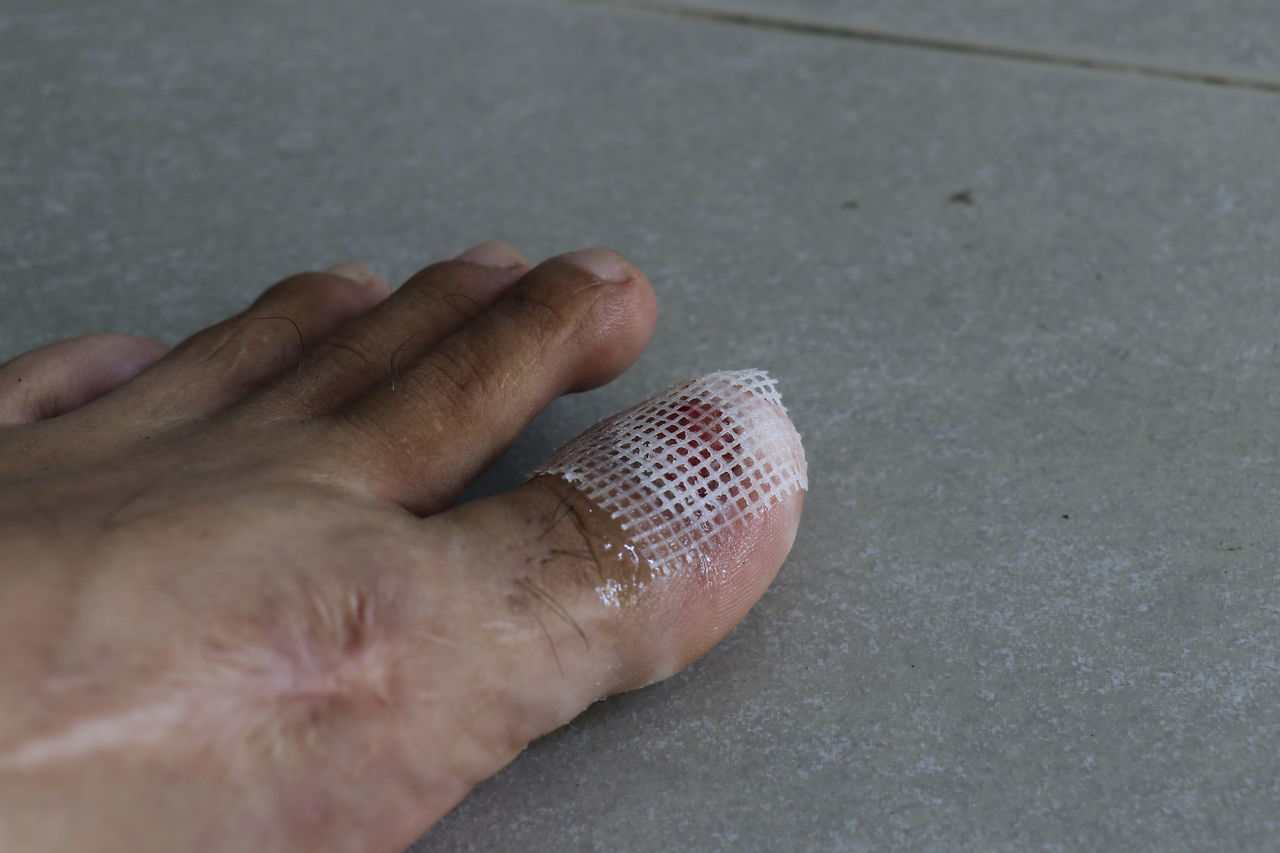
point(239, 610)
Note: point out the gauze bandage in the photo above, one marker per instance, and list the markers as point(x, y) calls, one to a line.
point(679, 469)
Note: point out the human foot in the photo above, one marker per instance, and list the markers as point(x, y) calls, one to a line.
point(238, 611)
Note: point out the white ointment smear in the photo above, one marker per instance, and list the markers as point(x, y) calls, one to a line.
point(681, 468)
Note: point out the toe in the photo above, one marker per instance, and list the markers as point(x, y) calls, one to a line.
point(637, 547)
point(63, 376)
point(376, 347)
point(571, 323)
point(223, 363)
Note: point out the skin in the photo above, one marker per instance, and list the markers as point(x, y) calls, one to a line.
point(238, 608)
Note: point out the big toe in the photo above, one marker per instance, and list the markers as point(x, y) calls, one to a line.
point(641, 544)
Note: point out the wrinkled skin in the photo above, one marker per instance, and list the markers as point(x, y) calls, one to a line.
point(238, 611)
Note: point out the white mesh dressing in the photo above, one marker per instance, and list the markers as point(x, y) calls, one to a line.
point(680, 468)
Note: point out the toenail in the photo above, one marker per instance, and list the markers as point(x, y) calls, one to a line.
point(680, 469)
point(356, 271)
point(494, 253)
point(604, 264)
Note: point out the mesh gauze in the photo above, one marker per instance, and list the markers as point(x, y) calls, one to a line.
point(680, 468)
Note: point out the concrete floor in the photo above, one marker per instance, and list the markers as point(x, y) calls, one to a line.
point(1229, 38)
point(1024, 314)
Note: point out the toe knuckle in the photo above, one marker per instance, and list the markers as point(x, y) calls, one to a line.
point(549, 309)
point(430, 297)
point(244, 344)
point(458, 372)
point(343, 355)
point(554, 313)
point(223, 347)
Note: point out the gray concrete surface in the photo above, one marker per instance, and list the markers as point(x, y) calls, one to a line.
point(1215, 37)
point(1025, 317)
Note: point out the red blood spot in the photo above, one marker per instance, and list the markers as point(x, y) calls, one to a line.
point(699, 425)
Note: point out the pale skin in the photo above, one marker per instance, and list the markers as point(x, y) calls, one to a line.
point(239, 609)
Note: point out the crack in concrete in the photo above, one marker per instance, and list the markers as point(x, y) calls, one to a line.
point(943, 44)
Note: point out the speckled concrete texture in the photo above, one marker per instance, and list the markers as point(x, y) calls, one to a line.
point(1026, 319)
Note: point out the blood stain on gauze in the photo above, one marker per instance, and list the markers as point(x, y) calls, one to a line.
point(679, 469)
